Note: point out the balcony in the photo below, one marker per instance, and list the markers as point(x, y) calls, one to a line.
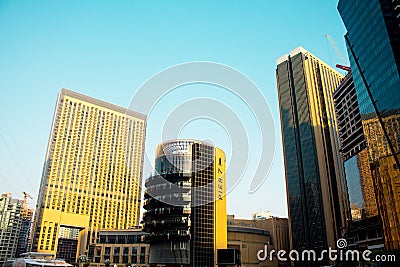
point(169, 211)
point(167, 177)
point(152, 238)
point(178, 223)
point(166, 189)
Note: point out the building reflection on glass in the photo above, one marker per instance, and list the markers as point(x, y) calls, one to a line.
point(365, 227)
point(373, 45)
point(385, 170)
point(361, 188)
point(185, 204)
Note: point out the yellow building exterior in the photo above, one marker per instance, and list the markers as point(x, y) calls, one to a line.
point(92, 173)
point(220, 222)
point(385, 173)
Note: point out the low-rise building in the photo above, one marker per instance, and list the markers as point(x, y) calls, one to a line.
point(251, 236)
point(119, 248)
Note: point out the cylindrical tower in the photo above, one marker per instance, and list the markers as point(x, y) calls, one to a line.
point(180, 203)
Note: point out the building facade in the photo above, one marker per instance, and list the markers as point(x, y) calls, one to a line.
point(348, 117)
point(15, 224)
point(251, 236)
point(92, 173)
point(373, 44)
point(249, 240)
point(24, 237)
point(67, 246)
point(365, 227)
point(185, 204)
point(121, 248)
point(315, 180)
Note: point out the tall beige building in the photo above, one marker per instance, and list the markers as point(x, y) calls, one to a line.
point(315, 178)
point(92, 174)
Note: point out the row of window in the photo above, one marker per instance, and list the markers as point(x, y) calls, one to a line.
point(123, 255)
point(120, 239)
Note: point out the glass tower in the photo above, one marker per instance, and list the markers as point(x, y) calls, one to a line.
point(365, 227)
point(92, 173)
point(185, 204)
point(373, 43)
point(315, 181)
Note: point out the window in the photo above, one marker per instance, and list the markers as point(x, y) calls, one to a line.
point(125, 258)
point(116, 254)
point(97, 255)
point(91, 252)
point(142, 255)
point(134, 254)
point(107, 251)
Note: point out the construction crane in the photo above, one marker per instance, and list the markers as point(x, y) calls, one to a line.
point(26, 211)
point(26, 195)
point(346, 68)
point(343, 67)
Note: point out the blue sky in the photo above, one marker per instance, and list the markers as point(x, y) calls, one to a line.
point(107, 49)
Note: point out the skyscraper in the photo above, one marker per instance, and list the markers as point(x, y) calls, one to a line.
point(185, 204)
point(315, 181)
point(365, 226)
point(373, 44)
point(15, 222)
point(92, 174)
